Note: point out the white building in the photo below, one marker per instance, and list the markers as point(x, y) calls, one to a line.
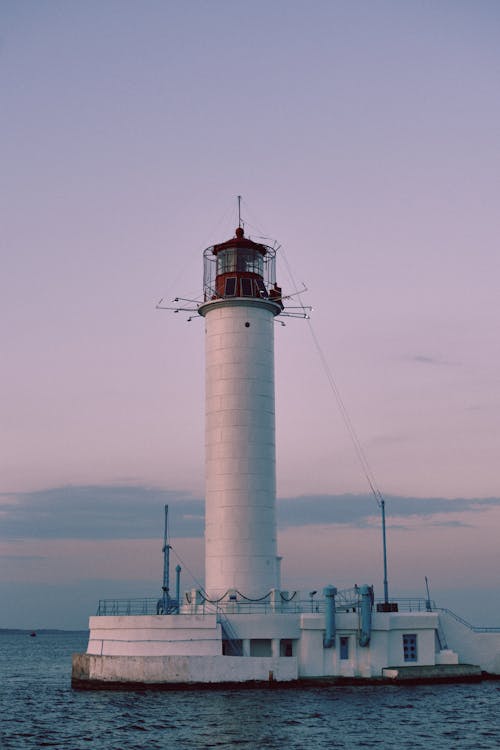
point(242, 627)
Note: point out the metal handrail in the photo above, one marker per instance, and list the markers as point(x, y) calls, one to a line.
point(474, 628)
point(149, 606)
point(129, 606)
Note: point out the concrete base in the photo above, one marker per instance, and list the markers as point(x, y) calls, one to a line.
point(90, 670)
point(437, 673)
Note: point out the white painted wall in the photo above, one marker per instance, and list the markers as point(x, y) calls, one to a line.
point(472, 648)
point(274, 626)
point(423, 624)
point(385, 649)
point(240, 525)
point(140, 638)
point(155, 635)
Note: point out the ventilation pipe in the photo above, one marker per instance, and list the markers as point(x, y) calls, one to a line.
point(366, 614)
point(329, 592)
point(178, 587)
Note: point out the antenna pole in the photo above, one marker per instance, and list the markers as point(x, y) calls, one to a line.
point(428, 604)
point(239, 210)
point(166, 566)
point(384, 543)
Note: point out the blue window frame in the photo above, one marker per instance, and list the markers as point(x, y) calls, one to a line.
point(410, 647)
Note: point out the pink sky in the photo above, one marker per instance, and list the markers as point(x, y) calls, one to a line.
point(364, 138)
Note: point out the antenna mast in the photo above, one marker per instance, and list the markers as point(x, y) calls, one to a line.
point(166, 567)
point(384, 545)
point(239, 210)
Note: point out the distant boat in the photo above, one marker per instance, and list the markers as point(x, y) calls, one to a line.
point(33, 634)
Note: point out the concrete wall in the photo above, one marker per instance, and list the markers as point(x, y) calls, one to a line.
point(472, 648)
point(265, 625)
point(385, 649)
point(422, 624)
point(315, 660)
point(182, 669)
point(146, 641)
point(155, 635)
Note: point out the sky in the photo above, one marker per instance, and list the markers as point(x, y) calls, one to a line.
point(363, 138)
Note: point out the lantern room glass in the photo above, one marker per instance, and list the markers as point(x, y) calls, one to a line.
point(234, 259)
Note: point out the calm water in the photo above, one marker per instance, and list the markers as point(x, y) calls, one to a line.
point(39, 709)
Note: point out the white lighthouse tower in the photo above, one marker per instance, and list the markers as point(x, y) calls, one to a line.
point(241, 300)
point(241, 627)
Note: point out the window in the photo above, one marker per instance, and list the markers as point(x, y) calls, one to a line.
point(410, 647)
point(344, 646)
point(240, 259)
point(246, 288)
point(261, 288)
point(232, 648)
point(230, 288)
point(226, 261)
point(261, 647)
point(250, 261)
point(286, 647)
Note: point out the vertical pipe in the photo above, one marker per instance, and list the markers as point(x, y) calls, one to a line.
point(329, 593)
point(366, 614)
point(166, 566)
point(178, 587)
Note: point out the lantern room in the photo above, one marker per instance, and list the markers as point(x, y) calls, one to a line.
point(240, 268)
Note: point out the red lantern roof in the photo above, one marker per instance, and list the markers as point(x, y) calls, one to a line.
point(240, 241)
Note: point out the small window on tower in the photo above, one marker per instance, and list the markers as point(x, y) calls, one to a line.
point(246, 288)
point(230, 288)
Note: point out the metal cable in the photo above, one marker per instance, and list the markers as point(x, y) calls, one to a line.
point(340, 403)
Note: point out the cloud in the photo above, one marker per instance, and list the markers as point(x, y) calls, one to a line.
point(99, 512)
point(136, 512)
point(361, 510)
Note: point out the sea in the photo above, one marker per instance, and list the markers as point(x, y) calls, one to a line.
point(39, 709)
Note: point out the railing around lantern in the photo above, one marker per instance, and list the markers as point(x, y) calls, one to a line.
point(210, 271)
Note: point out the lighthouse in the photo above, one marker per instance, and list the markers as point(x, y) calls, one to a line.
point(241, 301)
point(241, 627)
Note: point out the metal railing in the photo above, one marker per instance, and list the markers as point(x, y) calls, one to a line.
point(474, 628)
point(149, 606)
point(411, 604)
point(137, 606)
point(234, 644)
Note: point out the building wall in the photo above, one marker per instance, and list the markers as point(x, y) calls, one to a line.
point(160, 635)
point(482, 649)
point(272, 636)
point(385, 648)
point(421, 624)
point(265, 625)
